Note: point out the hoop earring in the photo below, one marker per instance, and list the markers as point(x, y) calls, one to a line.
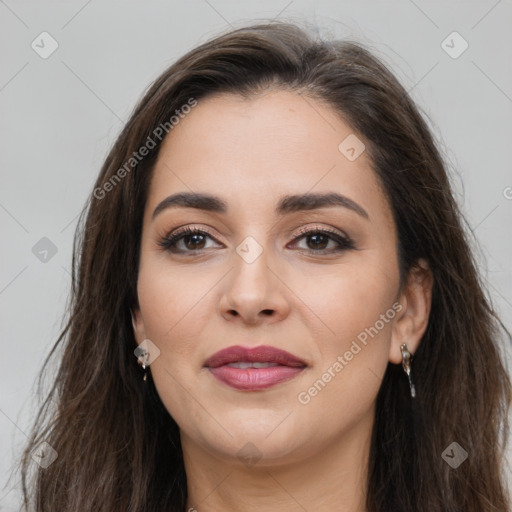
point(406, 364)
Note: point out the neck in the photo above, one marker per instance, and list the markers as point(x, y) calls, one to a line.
point(334, 477)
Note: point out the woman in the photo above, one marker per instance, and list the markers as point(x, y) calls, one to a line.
point(274, 303)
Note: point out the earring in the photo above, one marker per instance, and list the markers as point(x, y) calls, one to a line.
point(142, 360)
point(141, 353)
point(406, 364)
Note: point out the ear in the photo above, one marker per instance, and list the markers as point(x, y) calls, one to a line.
point(411, 322)
point(138, 325)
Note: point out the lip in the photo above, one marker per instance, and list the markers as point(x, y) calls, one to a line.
point(253, 379)
point(261, 354)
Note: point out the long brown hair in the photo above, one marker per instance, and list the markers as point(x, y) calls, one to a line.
point(119, 449)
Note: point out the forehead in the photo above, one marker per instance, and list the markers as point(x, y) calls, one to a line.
point(253, 151)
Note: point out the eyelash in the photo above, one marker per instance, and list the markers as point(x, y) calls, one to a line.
point(169, 242)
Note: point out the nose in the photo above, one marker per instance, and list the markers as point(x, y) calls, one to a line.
point(254, 291)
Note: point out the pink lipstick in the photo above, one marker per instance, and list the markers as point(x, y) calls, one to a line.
point(252, 369)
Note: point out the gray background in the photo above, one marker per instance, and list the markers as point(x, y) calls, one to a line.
point(60, 115)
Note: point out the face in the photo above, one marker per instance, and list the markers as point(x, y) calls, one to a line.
point(319, 282)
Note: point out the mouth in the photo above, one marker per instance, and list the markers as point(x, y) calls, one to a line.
point(253, 369)
point(258, 357)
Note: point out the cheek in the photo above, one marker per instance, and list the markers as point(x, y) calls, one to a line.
point(171, 301)
point(355, 306)
point(346, 299)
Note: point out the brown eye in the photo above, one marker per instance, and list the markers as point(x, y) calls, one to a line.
point(317, 240)
point(193, 240)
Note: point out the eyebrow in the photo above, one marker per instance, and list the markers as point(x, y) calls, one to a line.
point(287, 204)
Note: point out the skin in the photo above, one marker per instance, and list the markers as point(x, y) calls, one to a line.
point(250, 153)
